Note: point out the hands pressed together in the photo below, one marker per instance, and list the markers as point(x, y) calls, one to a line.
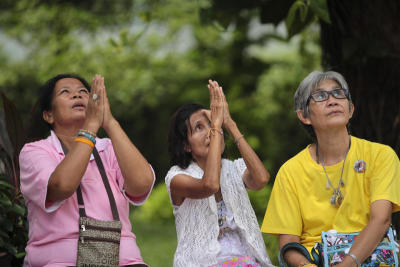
point(98, 112)
point(219, 111)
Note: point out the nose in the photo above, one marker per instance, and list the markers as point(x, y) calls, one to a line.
point(77, 95)
point(331, 99)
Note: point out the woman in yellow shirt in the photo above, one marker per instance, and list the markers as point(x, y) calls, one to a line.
point(338, 182)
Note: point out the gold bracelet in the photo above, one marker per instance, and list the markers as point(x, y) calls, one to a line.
point(84, 140)
point(218, 131)
point(238, 139)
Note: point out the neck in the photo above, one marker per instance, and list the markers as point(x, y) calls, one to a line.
point(201, 162)
point(332, 146)
point(67, 134)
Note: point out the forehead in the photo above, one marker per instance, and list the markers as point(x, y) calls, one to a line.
point(68, 83)
point(197, 116)
point(326, 84)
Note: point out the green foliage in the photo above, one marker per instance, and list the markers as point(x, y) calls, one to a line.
point(13, 230)
point(157, 208)
point(13, 222)
point(259, 200)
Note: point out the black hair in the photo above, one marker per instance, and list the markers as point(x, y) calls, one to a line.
point(177, 135)
point(47, 91)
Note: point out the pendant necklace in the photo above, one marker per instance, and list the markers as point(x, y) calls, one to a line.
point(337, 196)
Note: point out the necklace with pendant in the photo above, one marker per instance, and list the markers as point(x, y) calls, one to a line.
point(337, 196)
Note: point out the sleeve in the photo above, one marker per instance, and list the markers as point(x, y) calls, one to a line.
point(283, 214)
point(137, 201)
point(385, 178)
point(175, 170)
point(36, 167)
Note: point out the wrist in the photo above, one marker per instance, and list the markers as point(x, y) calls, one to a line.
point(352, 259)
point(110, 124)
point(230, 124)
point(91, 126)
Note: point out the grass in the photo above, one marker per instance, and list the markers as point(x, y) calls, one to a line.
point(157, 242)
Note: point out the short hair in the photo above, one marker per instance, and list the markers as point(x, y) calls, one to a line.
point(177, 135)
point(304, 91)
point(47, 91)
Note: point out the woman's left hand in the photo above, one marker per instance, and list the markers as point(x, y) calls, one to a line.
point(108, 118)
point(226, 116)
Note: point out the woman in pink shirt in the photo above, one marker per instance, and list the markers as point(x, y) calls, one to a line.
point(49, 178)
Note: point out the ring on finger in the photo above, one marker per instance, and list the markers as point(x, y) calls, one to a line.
point(95, 96)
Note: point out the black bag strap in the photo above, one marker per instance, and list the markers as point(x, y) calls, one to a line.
point(106, 183)
point(298, 247)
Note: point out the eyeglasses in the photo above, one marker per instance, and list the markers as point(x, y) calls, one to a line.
point(321, 95)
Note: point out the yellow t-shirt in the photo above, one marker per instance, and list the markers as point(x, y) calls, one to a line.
point(300, 200)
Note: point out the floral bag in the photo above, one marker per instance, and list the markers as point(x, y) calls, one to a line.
point(335, 246)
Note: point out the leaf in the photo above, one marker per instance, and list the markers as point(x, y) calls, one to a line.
point(293, 11)
point(14, 125)
point(298, 18)
point(5, 143)
point(320, 8)
point(18, 209)
point(5, 184)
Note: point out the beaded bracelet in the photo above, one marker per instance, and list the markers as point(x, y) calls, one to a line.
point(89, 132)
point(84, 140)
point(88, 136)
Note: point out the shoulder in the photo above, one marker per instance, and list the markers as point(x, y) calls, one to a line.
point(374, 149)
point(301, 158)
point(37, 146)
point(192, 170)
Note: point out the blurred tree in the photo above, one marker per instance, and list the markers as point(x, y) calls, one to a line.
point(353, 43)
point(156, 57)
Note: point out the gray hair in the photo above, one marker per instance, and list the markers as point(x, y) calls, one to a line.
point(310, 82)
point(305, 89)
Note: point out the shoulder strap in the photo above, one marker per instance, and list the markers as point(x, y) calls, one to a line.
point(106, 183)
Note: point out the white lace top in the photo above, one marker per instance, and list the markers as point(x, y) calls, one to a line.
point(197, 219)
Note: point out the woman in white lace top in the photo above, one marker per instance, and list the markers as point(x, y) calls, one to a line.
point(215, 223)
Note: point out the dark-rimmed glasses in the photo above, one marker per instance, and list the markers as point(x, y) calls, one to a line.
point(322, 95)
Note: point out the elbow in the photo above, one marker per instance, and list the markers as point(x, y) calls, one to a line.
point(265, 178)
point(262, 181)
point(211, 188)
point(57, 191)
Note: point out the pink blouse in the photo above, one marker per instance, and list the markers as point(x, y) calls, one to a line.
point(53, 227)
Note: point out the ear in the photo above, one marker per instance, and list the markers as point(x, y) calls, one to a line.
point(305, 120)
point(351, 110)
point(48, 116)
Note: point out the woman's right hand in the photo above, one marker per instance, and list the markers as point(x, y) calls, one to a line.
point(216, 104)
point(95, 107)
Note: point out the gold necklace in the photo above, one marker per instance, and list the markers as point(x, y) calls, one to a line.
point(337, 196)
